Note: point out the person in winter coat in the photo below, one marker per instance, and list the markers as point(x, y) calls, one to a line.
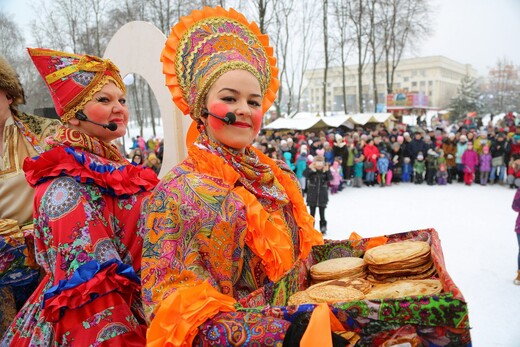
point(432, 165)
point(348, 170)
point(499, 148)
point(416, 145)
point(340, 149)
point(462, 145)
point(516, 208)
point(513, 171)
point(442, 172)
point(301, 165)
point(288, 160)
point(449, 148)
point(485, 165)
point(419, 167)
point(358, 172)
point(335, 170)
point(371, 154)
point(318, 177)
point(396, 165)
point(406, 175)
point(382, 168)
point(470, 161)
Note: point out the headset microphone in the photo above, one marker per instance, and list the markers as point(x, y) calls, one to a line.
point(110, 126)
point(229, 119)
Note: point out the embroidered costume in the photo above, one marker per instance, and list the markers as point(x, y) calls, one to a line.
point(87, 202)
point(221, 224)
point(21, 138)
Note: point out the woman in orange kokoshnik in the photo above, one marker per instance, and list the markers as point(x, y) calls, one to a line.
point(228, 220)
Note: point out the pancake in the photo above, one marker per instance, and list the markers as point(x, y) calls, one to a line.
point(330, 293)
point(404, 288)
point(396, 252)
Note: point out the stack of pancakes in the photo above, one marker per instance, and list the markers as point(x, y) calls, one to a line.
point(352, 267)
point(335, 280)
point(394, 270)
point(405, 260)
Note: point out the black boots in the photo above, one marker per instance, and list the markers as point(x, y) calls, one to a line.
point(323, 226)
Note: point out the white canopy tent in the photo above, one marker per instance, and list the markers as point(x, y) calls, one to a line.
point(308, 121)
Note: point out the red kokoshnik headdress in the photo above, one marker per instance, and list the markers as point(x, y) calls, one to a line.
point(73, 79)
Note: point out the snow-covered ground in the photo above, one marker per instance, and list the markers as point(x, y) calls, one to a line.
point(476, 228)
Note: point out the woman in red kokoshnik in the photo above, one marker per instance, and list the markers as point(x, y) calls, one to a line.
point(87, 202)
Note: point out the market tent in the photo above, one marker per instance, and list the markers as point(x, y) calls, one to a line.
point(309, 123)
point(364, 118)
point(296, 124)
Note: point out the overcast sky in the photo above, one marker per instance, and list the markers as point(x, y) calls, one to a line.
point(476, 32)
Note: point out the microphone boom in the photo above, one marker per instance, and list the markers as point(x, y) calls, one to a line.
point(83, 117)
point(229, 119)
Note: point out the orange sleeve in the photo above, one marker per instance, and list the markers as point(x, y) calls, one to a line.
point(179, 316)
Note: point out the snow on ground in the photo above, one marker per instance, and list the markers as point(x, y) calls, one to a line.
point(476, 229)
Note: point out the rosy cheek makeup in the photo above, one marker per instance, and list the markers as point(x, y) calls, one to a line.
point(256, 118)
point(219, 110)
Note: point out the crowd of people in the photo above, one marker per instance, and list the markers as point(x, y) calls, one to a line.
point(441, 155)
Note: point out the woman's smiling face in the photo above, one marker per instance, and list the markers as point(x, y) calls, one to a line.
point(236, 91)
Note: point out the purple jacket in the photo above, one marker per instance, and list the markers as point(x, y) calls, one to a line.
point(485, 162)
point(516, 208)
point(469, 160)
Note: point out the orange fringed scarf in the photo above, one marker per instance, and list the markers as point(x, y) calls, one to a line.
point(265, 235)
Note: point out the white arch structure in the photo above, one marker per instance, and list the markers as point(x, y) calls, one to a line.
point(136, 48)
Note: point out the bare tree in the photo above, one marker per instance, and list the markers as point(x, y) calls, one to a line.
point(504, 86)
point(302, 53)
point(357, 14)
point(404, 24)
point(325, 53)
point(344, 44)
point(12, 41)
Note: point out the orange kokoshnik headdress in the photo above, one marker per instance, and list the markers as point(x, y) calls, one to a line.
point(208, 43)
point(73, 79)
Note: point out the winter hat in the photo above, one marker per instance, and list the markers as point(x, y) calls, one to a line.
point(10, 83)
point(420, 156)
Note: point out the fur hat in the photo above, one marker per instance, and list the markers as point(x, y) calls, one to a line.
point(10, 83)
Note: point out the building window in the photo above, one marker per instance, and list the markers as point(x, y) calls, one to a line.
point(430, 93)
point(406, 79)
point(422, 83)
point(414, 84)
point(430, 83)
